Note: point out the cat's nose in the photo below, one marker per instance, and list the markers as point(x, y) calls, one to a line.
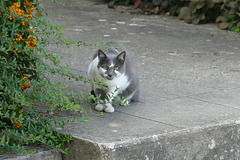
point(110, 76)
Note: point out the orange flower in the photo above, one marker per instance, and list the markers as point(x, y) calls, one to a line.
point(15, 9)
point(29, 16)
point(18, 125)
point(27, 3)
point(19, 38)
point(29, 11)
point(11, 17)
point(22, 23)
point(31, 42)
point(32, 31)
point(26, 84)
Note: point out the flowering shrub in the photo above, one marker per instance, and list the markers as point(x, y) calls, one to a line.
point(25, 85)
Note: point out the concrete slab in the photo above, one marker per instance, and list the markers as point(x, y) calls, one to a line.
point(189, 103)
point(228, 98)
point(40, 154)
point(189, 75)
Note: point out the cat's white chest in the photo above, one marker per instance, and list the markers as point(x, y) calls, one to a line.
point(120, 82)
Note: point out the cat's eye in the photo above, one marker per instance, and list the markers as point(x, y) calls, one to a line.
point(116, 68)
point(105, 67)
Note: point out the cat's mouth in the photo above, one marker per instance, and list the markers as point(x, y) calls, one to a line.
point(109, 78)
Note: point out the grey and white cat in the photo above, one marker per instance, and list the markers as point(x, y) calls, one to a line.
point(114, 67)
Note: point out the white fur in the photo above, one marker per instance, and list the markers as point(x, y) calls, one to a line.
point(106, 107)
point(111, 65)
point(120, 81)
point(92, 69)
point(99, 107)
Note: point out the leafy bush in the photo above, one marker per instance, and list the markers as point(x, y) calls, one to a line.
point(25, 86)
point(230, 19)
point(198, 12)
point(224, 12)
point(201, 11)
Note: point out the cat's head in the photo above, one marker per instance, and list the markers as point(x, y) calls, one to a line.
point(111, 65)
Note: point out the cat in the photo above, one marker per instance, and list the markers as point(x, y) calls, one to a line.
point(114, 67)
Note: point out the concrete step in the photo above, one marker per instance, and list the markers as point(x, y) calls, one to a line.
point(41, 154)
point(215, 141)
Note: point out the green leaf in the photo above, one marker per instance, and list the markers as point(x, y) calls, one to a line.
point(195, 20)
point(224, 18)
point(193, 5)
point(233, 4)
point(210, 4)
point(235, 29)
point(202, 16)
point(224, 25)
point(185, 13)
point(238, 24)
point(200, 5)
point(219, 19)
point(3, 139)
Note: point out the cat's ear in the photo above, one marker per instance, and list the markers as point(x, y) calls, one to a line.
point(122, 56)
point(101, 54)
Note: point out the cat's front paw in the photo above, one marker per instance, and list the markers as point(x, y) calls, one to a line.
point(99, 107)
point(108, 108)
